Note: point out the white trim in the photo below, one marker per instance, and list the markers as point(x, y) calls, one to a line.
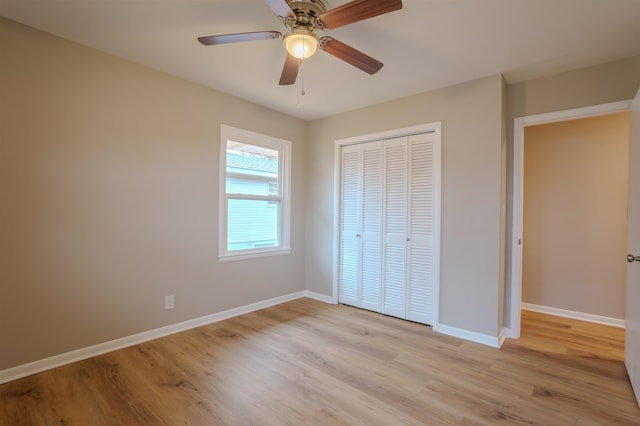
point(502, 337)
point(254, 254)
point(435, 127)
point(284, 186)
point(320, 297)
point(437, 221)
point(25, 370)
point(582, 316)
point(390, 134)
point(337, 202)
point(516, 242)
point(494, 342)
point(518, 191)
point(508, 332)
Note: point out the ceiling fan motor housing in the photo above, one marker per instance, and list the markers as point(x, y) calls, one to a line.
point(307, 12)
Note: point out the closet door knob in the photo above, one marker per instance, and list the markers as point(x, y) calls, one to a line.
point(631, 258)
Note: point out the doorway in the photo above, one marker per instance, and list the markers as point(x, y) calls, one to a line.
point(518, 195)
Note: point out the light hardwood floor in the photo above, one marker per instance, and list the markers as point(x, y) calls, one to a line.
point(309, 363)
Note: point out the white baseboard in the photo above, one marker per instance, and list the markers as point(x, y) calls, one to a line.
point(321, 297)
point(55, 361)
point(615, 322)
point(472, 336)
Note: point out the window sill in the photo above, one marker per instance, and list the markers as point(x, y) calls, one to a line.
point(242, 256)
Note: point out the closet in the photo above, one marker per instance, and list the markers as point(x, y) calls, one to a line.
point(389, 226)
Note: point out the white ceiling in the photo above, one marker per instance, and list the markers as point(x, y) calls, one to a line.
point(426, 45)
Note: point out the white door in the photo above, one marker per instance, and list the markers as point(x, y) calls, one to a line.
point(372, 175)
point(632, 337)
point(422, 222)
point(389, 210)
point(361, 226)
point(350, 218)
point(395, 227)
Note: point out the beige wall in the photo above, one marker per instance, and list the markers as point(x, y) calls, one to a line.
point(575, 212)
point(471, 116)
point(108, 198)
point(610, 82)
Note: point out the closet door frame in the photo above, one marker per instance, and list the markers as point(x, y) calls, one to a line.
point(434, 128)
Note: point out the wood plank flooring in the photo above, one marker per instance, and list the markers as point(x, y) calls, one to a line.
point(309, 363)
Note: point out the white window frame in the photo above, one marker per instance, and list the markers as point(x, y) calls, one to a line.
point(284, 183)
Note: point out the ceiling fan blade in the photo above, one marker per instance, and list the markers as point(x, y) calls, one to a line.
point(357, 10)
point(280, 8)
point(235, 38)
point(349, 54)
point(289, 71)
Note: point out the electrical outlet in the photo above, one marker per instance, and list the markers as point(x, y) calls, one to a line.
point(168, 302)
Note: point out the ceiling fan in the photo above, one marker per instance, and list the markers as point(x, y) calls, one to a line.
point(302, 18)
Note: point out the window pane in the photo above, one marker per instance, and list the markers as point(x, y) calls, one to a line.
point(251, 169)
point(242, 184)
point(252, 224)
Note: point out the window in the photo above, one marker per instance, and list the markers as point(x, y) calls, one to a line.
point(254, 194)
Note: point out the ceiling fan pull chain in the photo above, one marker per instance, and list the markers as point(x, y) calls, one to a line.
point(302, 92)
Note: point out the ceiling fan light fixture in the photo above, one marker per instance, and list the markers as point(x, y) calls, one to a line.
point(301, 42)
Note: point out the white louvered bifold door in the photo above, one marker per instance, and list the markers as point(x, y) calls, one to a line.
point(372, 162)
point(421, 213)
point(388, 226)
point(350, 223)
point(395, 227)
